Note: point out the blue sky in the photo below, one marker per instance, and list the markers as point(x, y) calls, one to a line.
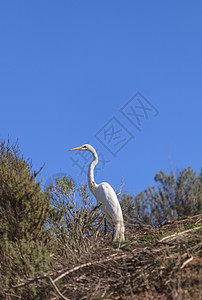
point(68, 67)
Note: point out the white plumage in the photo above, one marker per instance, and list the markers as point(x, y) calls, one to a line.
point(105, 194)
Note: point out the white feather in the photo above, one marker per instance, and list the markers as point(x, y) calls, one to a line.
point(105, 194)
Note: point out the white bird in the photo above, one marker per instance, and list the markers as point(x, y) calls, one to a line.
point(105, 195)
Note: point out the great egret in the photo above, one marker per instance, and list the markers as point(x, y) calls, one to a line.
point(105, 195)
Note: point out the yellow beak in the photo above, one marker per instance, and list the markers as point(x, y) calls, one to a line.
point(77, 148)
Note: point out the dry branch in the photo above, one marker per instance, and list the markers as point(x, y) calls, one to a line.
point(175, 235)
point(111, 257)
point(186, 262)
point(37, 279)
point(98, 271)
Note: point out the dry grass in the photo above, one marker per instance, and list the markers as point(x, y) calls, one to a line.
point(163, 263)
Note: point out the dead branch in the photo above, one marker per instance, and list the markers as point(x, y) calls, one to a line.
point(171, 237)
point(186, 262)
point(41, 278)
point(113, 256)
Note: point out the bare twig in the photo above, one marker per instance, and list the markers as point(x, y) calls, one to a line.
point(37, 279)
point(171, 237)
point(57, 290)
point(113, 256)
point(186, 262)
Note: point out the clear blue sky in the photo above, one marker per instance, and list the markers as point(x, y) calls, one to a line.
point(68, 67)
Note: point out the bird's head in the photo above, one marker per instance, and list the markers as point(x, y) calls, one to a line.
point(85, 147)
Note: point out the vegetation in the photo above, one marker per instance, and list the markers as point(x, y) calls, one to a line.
point(24, 209)
point(174, 197)
point(52, 242)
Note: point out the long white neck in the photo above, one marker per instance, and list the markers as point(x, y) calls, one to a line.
point(91, 181)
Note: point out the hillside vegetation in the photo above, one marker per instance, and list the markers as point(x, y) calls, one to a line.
point(53, 246)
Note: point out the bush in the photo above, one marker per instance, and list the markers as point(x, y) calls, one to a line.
point(173, 197)
point(24, 209)
point(75, 217)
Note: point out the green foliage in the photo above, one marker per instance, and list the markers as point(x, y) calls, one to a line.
point(147, 239)
point(24, 209)
point(173, 197)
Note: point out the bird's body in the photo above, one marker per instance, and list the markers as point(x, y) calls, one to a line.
point(106, 196)
point(110, 208)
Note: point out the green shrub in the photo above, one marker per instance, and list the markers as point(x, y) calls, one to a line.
point(173, 197)
point(24, 209)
